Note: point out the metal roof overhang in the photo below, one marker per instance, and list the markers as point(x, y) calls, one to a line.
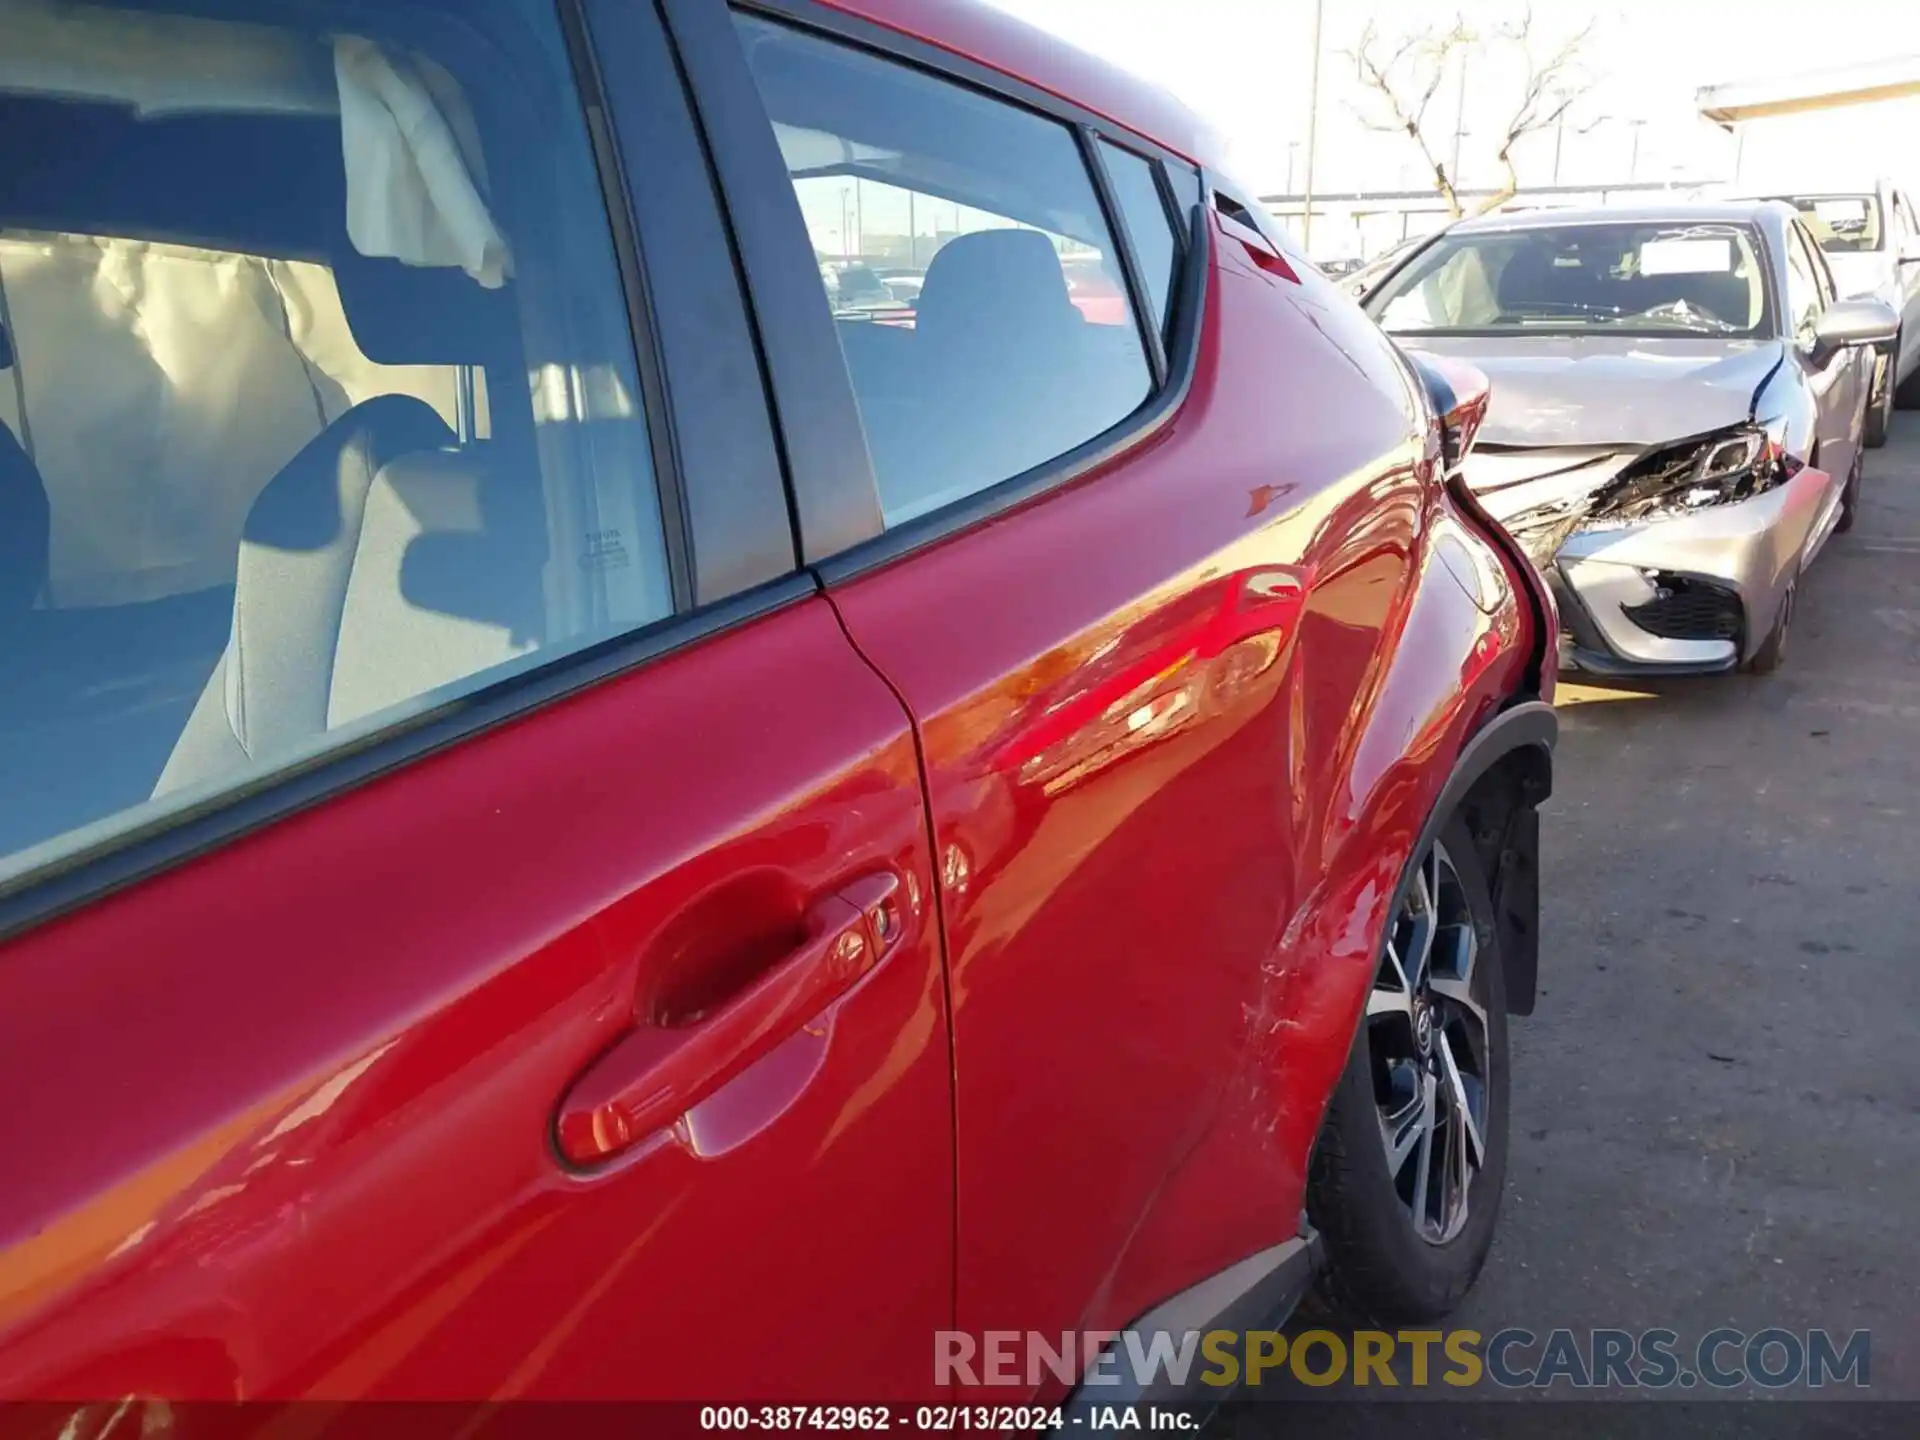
point(1728, 105)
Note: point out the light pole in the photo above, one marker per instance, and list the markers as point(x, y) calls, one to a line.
point(1633, 164)
point(1559, 133)
point(1459, 119)
point(1313, 131)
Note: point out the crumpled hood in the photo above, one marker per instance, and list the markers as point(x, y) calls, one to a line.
point(1543, 495)
point(1610, 390)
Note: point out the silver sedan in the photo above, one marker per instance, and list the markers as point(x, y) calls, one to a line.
point(1677, 418)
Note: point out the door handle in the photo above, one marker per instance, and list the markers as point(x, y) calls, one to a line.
point(659, 1072)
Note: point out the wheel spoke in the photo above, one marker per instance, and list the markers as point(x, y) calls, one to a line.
point(1460, 995)
point(1453, 1207)
point(1420, 942)
point(1432, 1097)
point(1403, 1128)
point(1392, 968)
point(1423, 1158)
point(1383, 1001)
point(1457, 1098)
point(1455, 949)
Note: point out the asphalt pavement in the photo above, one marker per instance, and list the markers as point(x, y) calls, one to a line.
point(1716, 1107)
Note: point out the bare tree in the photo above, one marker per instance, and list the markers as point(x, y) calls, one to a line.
point(1403, 79)
point(1553, 87)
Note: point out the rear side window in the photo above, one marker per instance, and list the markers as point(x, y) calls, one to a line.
point(1149, 226)
point(1803, 287)
point(1841, 224)
point(975, 286)
point(317, 399)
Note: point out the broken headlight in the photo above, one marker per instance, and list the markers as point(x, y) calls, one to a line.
point(1719, 469)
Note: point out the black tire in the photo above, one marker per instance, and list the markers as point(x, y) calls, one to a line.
point(1907, 397)
point(1379, 1271)
point(1850, 497)
point(1773, 650)
point(1880, 407)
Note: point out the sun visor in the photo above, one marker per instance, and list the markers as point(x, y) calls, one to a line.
point(411, 194)
point(159, 64)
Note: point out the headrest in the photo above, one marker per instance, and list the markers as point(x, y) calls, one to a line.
point(1524, 276)
point(977, 281)
point(415, 315)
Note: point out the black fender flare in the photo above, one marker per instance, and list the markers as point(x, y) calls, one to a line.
point(1521, 738)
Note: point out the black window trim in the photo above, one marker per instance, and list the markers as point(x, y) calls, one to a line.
point(146, 848)
point(1155, 325)
point(812, 399)
point(836, 499)
point(935, 59)
point(728, 476)
point(1146, 316)
point(675, 517)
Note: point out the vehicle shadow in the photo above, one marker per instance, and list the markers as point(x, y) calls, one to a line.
point(1593, 702)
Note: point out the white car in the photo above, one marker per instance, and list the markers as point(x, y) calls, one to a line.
point(1871, 238)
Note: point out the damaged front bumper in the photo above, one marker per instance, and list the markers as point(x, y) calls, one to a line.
point(1676, 593)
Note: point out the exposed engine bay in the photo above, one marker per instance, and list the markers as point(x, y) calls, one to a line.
point(1546, 495)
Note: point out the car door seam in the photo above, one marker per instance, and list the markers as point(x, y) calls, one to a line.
point(940, 929)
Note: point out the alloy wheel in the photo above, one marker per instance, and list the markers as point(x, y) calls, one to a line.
point(1429, 1052)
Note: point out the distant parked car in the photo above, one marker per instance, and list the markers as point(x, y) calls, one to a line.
point(1675, 429)
point(1871, 240)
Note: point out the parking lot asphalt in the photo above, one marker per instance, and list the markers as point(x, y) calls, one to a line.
point(1716, 1107)
point(1716, 1112)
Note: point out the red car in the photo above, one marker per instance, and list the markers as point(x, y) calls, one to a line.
point(576, 825)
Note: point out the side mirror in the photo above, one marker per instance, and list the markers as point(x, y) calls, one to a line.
point(1852, 324)
point(1460, 394)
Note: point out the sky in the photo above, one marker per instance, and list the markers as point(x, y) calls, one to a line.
point(1246, 66)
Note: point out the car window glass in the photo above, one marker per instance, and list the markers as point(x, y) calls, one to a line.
point(1803, 289)
point(1155, 242)
point(974, 283)
point(1840, 224)
point(318, 408)
point(1822, 271)
point(1658, 278)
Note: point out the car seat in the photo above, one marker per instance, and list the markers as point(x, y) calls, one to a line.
point(272, 685)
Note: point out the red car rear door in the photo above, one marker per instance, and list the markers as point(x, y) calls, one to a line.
point(1133, 584)
point(576, 1028)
